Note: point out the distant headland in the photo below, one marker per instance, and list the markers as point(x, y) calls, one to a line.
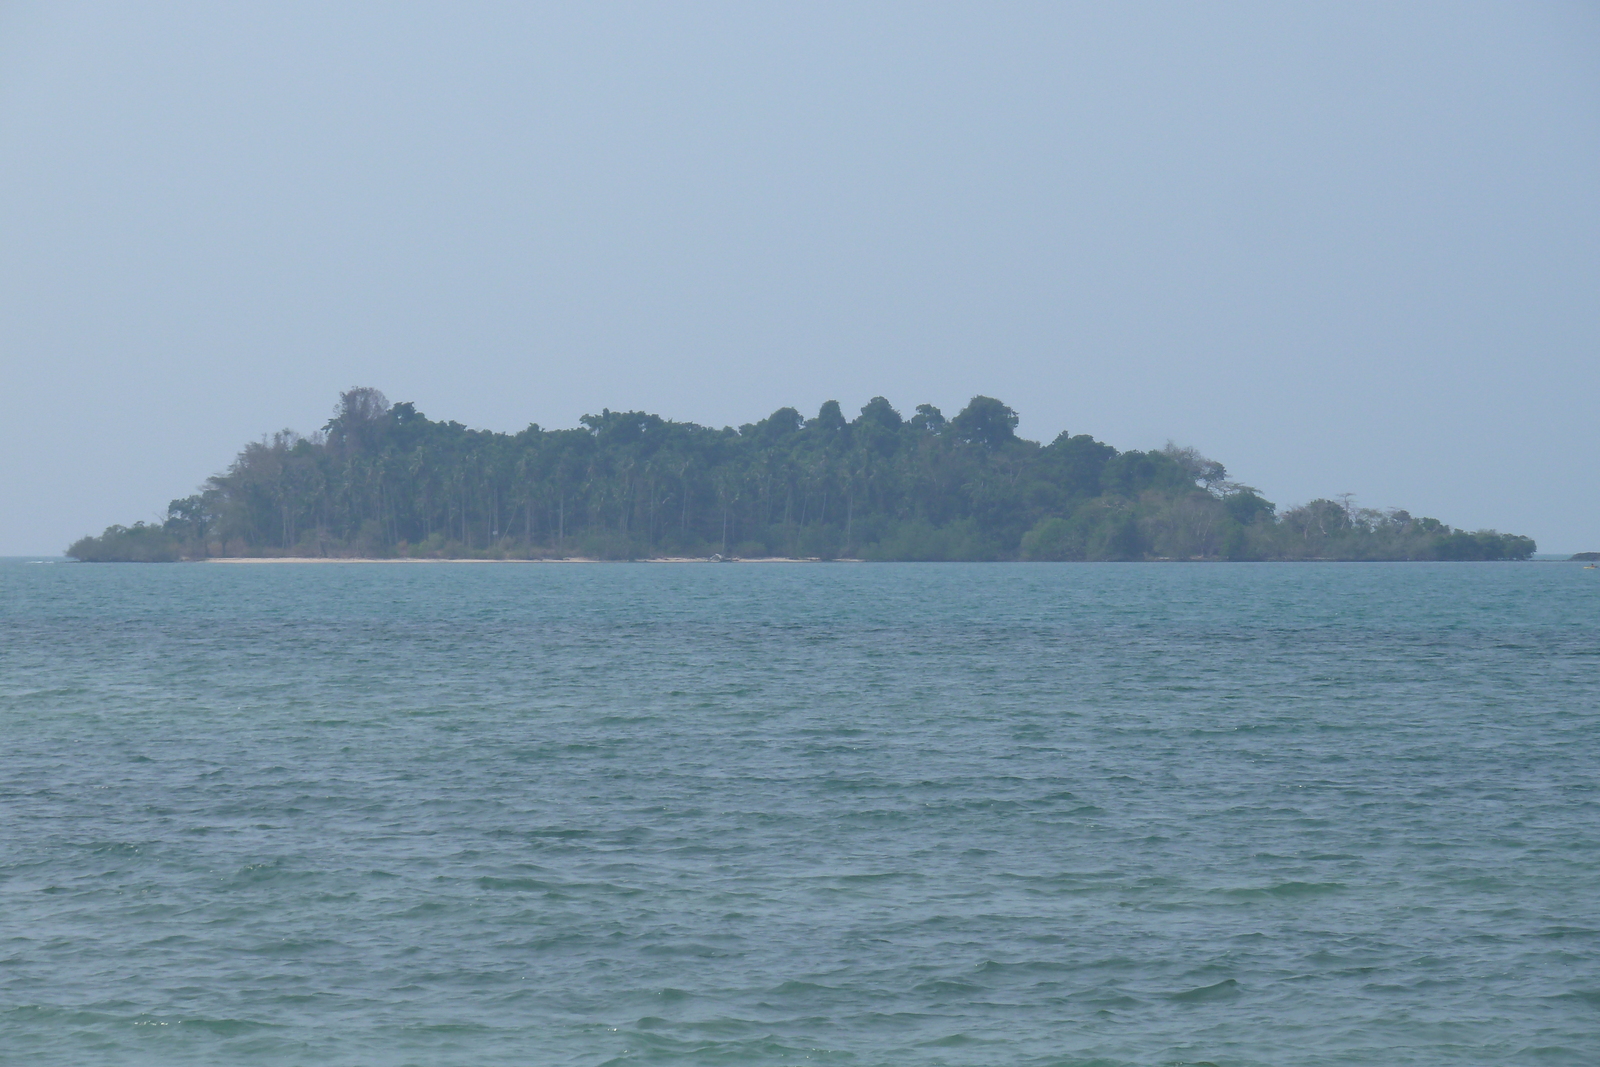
point(382, 481)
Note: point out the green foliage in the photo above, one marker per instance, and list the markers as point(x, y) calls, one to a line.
point(1132, 473)
point(1485, 544)
point(1052, 540)
point(1235, 545)
point(1327, 529)
point(1246, 506)
point(986, 422)
point(382, 480)
point(138, 543)
point(920, 541)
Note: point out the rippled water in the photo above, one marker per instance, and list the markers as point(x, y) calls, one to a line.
point(781, 814)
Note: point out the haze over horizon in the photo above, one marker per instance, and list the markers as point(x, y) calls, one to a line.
point(1353, 248)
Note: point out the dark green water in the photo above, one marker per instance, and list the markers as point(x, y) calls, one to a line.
point(785, 814)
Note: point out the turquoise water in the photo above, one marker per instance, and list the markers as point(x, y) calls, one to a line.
point(799, 814)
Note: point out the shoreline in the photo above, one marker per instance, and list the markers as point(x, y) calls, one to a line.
point(785, 559)
point(566, 559)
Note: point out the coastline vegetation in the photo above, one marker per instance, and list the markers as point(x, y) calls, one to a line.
point(383, 481)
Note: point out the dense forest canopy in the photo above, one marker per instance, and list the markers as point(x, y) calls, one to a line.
point(382, 480)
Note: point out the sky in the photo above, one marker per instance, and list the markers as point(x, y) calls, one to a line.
point(1345, 247)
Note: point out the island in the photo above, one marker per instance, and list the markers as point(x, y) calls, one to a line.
point(381, 481)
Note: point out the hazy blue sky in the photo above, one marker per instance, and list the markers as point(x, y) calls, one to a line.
point(1340, 247)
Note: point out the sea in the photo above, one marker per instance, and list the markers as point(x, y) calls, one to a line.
point(1075, 815)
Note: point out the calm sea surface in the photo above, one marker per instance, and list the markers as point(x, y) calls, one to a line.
point(799, 814)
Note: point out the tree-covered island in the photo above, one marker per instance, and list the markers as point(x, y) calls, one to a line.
point(381, 480)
